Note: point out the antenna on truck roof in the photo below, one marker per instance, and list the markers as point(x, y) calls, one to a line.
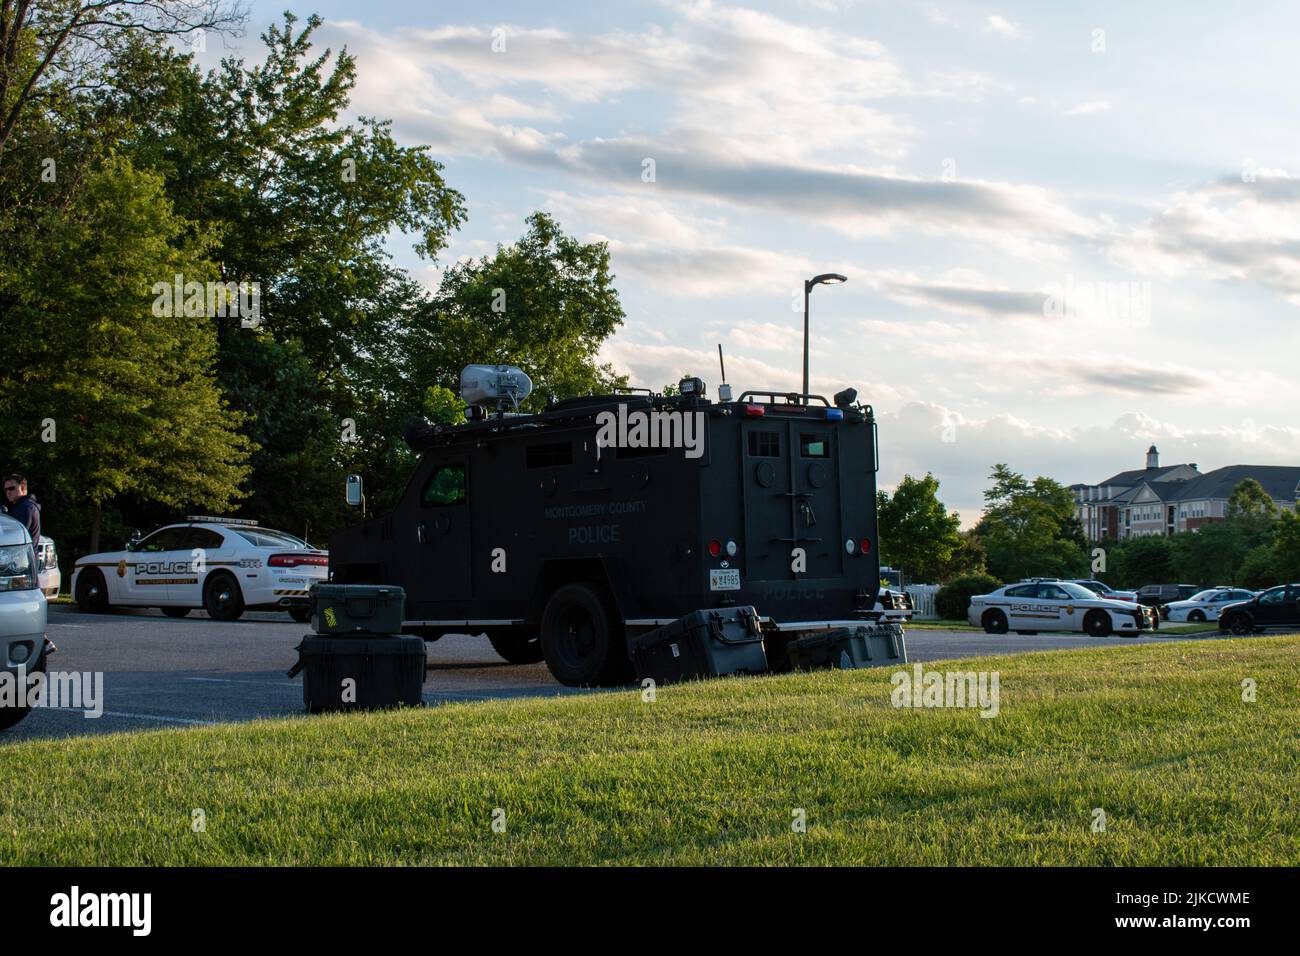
point(724, 390)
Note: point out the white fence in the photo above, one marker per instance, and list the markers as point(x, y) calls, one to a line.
point(922, 596)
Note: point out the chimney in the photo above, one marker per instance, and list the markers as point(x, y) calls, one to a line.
point(1153, 457)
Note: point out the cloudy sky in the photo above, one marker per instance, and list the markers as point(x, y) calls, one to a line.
point(1068, 233)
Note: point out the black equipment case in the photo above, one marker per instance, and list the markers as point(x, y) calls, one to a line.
point(357, 609)
point(867, 645)
point(701, 644)
point(386, 671)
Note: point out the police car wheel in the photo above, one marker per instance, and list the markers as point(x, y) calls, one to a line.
point(582, 640)
point(92, 592)
point(175, 611)
point(1197, 616)
point(517, 645)
point(1097, 623)
point(995, 622)
point(222, 598)
point(300, 614)
point(11, 715)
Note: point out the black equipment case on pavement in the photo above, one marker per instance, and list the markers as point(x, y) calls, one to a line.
point(357, 609)
point(868, 645)
point(385, 671)
point(701, 644)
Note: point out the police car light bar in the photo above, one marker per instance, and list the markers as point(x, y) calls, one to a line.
point(209, 519)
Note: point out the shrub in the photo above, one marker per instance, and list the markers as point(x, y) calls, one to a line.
point(954, 597)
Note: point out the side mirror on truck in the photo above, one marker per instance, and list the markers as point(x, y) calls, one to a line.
point(356, 498)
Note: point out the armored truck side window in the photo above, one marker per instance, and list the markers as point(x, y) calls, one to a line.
point(764, 444)
point(446, 486)
point(549, 456)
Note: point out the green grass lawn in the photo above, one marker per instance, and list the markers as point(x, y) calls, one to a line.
point(1157, 736)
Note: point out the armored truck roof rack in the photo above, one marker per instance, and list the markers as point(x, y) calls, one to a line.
point(791, 398)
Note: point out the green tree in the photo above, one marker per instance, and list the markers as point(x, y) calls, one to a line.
point(302, 203)
point(1249, 501)
point(1029, 528)
point(1145, 560)
point(129, 393)
point(300, 460)
point(1286, 548)
point(545, 303)
point(969, 558)
point(917, 534)
point(1259, 569)
point(48, 47)
point(1210, 556)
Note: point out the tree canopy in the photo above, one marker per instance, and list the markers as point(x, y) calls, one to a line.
point(123, 166)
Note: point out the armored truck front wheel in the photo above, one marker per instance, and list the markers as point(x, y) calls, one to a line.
point(517, 645)
point(582, 638)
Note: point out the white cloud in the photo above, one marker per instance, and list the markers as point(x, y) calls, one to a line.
point(1004, 27)
point(680, 253)
point(1229, 230)
point(1089, 107)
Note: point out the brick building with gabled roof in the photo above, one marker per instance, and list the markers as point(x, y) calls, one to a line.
point(1175, 498)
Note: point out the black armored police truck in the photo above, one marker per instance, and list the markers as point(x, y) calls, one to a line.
point(565, 534)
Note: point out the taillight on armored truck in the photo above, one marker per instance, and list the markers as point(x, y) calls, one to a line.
point(866, 545)
point(715, 547)
point(850, 546)
point(296, 560)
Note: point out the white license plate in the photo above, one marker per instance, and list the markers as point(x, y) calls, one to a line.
point(724, 579)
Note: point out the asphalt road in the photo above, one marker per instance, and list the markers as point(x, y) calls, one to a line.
point(160, 672)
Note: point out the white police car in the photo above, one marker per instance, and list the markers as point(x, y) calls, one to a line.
point(223, 565)
point(1033, 606)
point(1205, 605)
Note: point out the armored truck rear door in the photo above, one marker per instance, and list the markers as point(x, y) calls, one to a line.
point(791, 487)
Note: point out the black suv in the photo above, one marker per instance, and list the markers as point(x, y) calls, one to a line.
point(1157, 594)
point(1276, 607)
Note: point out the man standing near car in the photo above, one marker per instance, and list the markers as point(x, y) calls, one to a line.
point(23, 507)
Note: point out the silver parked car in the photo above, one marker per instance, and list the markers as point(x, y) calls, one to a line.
point(23, 645)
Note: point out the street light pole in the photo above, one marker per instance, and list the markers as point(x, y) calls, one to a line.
point(807, 290)
point(826, 278)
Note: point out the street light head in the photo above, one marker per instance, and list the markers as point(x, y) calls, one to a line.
point(828, 278)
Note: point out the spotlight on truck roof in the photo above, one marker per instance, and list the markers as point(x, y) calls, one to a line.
point(494, 385)
point(691, 386)
point(846, 398)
